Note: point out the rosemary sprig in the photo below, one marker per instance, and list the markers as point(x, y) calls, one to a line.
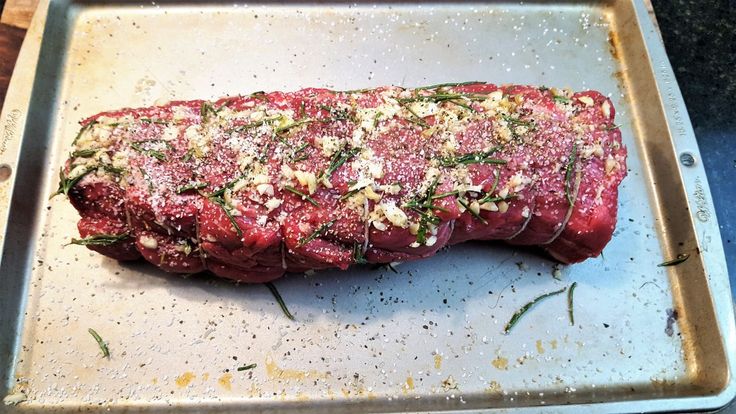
point(66, 183)
point(570, 309)
point(337, 160)
point(524, 309)
point(440, 97)
point(320, 230)
point(302, 195)
point(151, 153)
point(279, 300)
point(221, 202)
point(449, 84)
point(83, 130)
point(476, 215)
point(101, 239)
point(103, 346)
point(677, 260)
point(84, 153)
point(472, 158)
point(358, 256)
point(569, 173)
point(247, 367)
point(192, 186)
point(561, 99)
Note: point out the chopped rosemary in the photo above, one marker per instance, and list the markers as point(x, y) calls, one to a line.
point(205, 110)
point(517, 122)
point(224, 105)
point(524, 309)
point(336, 114)
point(153, 121)
point(227, 185)
point(443, 195)
point(247, 367)
point(674, 262)
point(353, 91)
point(111, 169)
point(256, 124)
point(376, 118)
point(85, 153)
point(302, 195)
point(561, 99)
point(611, 127)
point(192, 186)
point(83, 130)
point(337, 160)
point(301, 158)
point(320, 230)
point(419, 120)
point(472, 158)
point(101, 239)
point(568, 174)
point(291, 125)
point(489, 194)
point(188, 156)
point(570, 309)
point(424, 207)
point(450, 84)
point(418, 205)
point(66, 183)
point(151, 153)
point(221, 202)
point(476, 215)
point(103, 346)
point(352, 192)
point(279, 300)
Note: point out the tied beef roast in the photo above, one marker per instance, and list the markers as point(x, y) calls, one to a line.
point(251, 187)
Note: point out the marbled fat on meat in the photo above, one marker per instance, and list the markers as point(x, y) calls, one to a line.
point(251, 187)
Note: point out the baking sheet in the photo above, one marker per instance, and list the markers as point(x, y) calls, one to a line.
point(426, 337)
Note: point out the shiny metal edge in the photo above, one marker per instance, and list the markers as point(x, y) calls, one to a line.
point(704, 219)
point(14, 118)
point(693, 178)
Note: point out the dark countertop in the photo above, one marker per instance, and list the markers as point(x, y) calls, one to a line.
point(700, 38)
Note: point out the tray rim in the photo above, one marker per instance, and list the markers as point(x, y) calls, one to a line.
point(693, 179)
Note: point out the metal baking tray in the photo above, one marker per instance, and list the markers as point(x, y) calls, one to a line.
point(427, 337)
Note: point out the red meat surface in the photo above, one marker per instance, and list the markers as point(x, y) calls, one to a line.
point(251, 187)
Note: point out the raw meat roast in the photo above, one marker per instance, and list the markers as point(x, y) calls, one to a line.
point(251, 187)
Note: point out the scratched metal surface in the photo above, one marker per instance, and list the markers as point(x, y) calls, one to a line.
point(428, 337)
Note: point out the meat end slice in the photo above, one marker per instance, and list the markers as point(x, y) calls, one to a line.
point(251, 187)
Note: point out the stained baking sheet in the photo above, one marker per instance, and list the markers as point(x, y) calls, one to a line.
point(427, 336)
